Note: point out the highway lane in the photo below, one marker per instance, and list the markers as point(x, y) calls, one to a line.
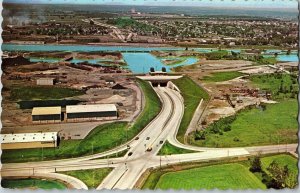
point(160, 132)
point(136, 164)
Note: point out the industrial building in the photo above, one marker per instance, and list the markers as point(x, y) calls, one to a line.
point(91, 112)
point(29, 140)
point(46, 114)
point(45, 81)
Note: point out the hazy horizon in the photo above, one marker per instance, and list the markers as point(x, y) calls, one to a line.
point(250, 4)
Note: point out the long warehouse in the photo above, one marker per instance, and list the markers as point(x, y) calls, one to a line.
point(91, 112)
point(28, 140)
point(46, 114)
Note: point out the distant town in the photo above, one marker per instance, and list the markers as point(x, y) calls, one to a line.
point(69, 27)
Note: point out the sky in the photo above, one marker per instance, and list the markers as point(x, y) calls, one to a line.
point(213, 3)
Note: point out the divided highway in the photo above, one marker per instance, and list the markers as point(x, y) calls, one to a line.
point(128, 169)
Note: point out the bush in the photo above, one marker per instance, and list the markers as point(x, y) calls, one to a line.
point(227, 128)
point(200, 135)
point(236, 139)
point(255, 164)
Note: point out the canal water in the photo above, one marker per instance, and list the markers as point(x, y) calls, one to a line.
point(142, 62)
point(139, 62)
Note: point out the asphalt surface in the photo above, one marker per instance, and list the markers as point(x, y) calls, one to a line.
point(128, 169)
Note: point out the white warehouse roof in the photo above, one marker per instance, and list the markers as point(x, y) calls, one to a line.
point(90, 108)
point(46, 110)
point(28, 137)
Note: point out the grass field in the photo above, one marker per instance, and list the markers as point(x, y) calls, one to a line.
point(92, 178)
point(39, 92)
point(215, 174)
point(192, 94)
point(32, 184)
point(222, 76)
point(111, 135)
point(251, 128)
point(266, 61)
point(281, 85)
point(225, 176)
point(169, 149)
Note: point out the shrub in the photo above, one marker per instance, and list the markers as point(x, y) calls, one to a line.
point(236, 139)
point(255, 164)
point(227, 128)
point(200, 135)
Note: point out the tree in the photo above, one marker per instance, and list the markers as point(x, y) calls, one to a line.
point(255, 164)
point(282, 176)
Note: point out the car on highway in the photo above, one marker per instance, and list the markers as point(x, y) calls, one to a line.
point(130, 153)
point(149, 149)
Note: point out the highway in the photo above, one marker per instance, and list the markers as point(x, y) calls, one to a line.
point(128, 169)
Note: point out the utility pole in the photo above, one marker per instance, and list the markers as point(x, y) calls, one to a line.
point(160, 162)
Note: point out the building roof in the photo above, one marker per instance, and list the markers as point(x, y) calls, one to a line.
point(46, 110)
point(46, 79)
point(90, 108)
point(28, 137)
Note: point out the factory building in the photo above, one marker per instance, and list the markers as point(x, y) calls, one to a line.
point(91, 112)
point(46, 114)
point(45, 81)
point(29, 140)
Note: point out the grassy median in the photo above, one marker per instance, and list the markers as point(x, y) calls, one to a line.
point(192, 94)
point(92, 178)
point(169, 149)
point(100, 139)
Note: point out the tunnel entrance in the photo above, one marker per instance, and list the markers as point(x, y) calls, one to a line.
point(161, 84)
point(155, 84)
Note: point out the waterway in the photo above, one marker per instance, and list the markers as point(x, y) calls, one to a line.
point(139, 59)
point(142, 62)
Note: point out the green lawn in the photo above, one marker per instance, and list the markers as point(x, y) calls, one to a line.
point(38, 92)
point(32, 184)
point(169, 149)
point(192, 94)
point(266, 61)
point(111, 135)
point(281, 85)
point(225, 176)
point(92, 178)
point(282, 160)
point(222, 76)
point(216, 55)
point(277, 124)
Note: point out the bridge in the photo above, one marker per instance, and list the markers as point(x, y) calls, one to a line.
point(159, 80)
